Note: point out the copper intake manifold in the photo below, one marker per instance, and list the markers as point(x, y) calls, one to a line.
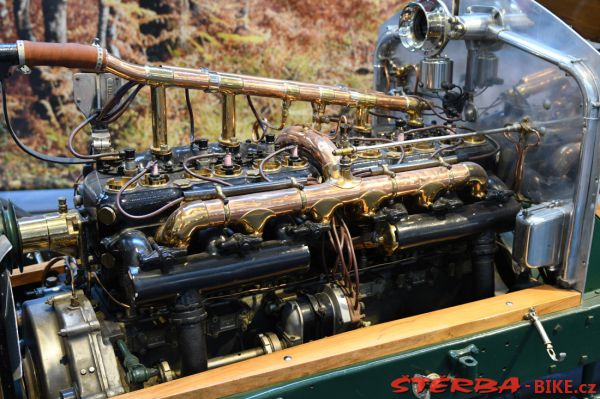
point(91, 57)
point(320, 201)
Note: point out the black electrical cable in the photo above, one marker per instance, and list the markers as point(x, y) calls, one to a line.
point(116, 114)
point(71, 146)
point(261, 166)
point(188, 103)
point(114, 101)
point(25, 148)
point(205, 178)
point(134, 179)
point(397, 118)
point(263, 125)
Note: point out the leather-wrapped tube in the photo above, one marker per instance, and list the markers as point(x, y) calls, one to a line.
point(208, 272)
point(69, 55)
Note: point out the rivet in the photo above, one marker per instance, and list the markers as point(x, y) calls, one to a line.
point(83, 371)
point(557, 328)
point(509, 303)
point(92, 369)
point(287, 358)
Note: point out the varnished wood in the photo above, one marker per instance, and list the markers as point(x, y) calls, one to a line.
point(598, 211)
point(32, 274)
point(582, 15)
point(364, 344)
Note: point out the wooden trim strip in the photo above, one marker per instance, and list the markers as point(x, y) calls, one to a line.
point(33, 274)
point(364, 344)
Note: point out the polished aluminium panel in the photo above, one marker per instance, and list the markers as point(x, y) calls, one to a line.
point(547, 73)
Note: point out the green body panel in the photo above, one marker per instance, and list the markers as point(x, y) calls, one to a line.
point(514, 351)
point(592, 281)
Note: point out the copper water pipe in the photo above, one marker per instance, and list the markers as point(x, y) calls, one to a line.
point(92, 57)
point(316, 147)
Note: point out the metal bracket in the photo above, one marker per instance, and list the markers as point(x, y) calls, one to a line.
point(463, 361)
point(533, 318)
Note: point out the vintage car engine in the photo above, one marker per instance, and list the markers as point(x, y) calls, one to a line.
point(457, 180)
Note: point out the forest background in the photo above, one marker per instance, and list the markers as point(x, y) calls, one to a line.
point(324, 41)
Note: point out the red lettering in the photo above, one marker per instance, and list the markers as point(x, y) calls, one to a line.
point(420, 383)
point(539, 386)
point(398, 384)
point(569, 386)
point(557, 386)
point(461, 385)
point(485, 385)
point(511, 385)
point(439, 385)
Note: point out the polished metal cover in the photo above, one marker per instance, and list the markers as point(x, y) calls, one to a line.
point(436, 72)
point(539, 235)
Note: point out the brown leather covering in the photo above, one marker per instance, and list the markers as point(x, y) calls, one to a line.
point(69, 55)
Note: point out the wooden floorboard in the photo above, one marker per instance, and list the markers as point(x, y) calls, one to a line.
point(364, 344)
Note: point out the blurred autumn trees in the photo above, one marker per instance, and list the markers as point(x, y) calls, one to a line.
point(307, 40)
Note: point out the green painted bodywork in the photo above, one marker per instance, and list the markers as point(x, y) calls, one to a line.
point(514, 351)
point(592, 281)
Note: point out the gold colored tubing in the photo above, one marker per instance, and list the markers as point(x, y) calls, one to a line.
point(257, 86)
point(319, 200)
point(160, 141)
point(72, 55)
point(316, 146)
point(228, 138)
point(58, 231)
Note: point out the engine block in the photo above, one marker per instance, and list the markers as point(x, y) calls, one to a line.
point(424, 194)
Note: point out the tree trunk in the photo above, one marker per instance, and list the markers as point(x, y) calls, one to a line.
point(3, 11)
point(107, 27)
point(111, 33)
point(161, 48)
point(22, 20)
point(194, 7)
point(103, 15)
point(55, 20)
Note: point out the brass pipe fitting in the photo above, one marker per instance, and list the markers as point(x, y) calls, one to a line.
point(160, 141)
point(228, 127)
point(57, 231)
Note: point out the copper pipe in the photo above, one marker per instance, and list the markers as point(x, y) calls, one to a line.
point(320, 201)
point(91, 57)
point(316, 147)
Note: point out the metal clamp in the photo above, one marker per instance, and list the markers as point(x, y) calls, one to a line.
point(533, 317)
